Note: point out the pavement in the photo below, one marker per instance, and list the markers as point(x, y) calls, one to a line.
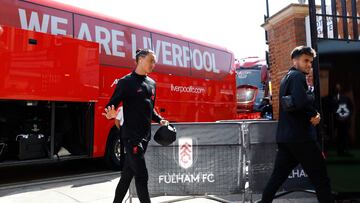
point(97, 190)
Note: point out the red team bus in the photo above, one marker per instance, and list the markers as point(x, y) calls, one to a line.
point(56, 81)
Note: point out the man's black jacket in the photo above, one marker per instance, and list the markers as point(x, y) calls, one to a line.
point(295, 126)
point(138, 94)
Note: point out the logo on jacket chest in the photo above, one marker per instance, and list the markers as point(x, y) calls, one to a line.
point(146, 91)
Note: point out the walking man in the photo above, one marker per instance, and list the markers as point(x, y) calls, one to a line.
point(136, 91)
point(295, 136)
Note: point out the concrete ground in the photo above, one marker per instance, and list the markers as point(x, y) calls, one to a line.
point(96, 190)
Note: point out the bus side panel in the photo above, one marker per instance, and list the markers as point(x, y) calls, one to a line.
point(34, 17)
point(102, 129)
point(179, 99)
point(209, 63)
point(38, 66)
point(108, 80)
point(185, 99)
point(194, 82)
point(118, 43)
point(172, 54)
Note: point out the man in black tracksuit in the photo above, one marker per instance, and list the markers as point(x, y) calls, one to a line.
point(137, 92)
point(296, 137)
point(342, 111)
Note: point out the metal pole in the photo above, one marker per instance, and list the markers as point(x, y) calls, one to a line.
point(334, 19)
point(265, 18)
point(316, 71)
point(344, 19)
point(52, 133)
point(324, 19)
point(354, 20)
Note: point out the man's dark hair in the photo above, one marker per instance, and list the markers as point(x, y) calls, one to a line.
point(300, 50)
point(143, 53)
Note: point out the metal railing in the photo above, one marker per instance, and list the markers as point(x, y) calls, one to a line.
point(338, 20)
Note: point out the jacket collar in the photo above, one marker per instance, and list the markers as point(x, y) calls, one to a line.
point(137, 75)
point(295, 69)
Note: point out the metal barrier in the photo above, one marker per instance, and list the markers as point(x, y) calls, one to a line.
point(221, 158)
point(260, 150)
point(206, 159)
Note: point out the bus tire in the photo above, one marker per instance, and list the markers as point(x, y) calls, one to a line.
point(114, 156)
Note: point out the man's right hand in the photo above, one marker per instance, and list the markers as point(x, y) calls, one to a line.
point(110, 112)
point(315, 120)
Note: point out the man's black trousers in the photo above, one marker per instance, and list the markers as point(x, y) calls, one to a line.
point(307, 154)
point(134, 167)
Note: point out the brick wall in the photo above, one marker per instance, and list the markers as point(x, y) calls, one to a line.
point(286, 30)
point(349, 21)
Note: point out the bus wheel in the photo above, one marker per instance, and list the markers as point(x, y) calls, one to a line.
point(114, 156)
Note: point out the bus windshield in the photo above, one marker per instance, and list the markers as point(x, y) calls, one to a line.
point(249, 77)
